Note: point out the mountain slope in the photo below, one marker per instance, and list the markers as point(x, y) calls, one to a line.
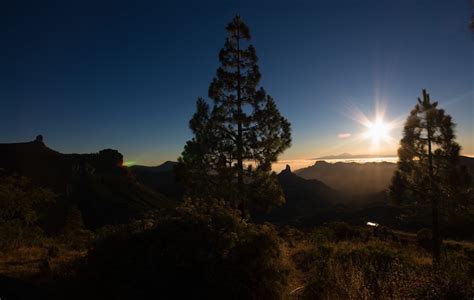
point(167, 166)
point(304, 198)
point(160, 178)
point(351, 178)
point(96, 183)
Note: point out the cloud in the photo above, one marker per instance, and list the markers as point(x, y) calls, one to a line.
point(344, 135)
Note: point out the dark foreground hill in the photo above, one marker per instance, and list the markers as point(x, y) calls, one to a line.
point(167, 166)
point(160, 178)
point(468, 162)
point(96, 183)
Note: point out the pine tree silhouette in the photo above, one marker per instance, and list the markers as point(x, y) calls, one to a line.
point(243, 126)
point(428, 167)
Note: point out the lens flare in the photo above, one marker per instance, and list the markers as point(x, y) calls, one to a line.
point(378, 131)
point(129, 163)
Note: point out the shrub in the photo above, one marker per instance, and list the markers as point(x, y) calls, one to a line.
point(374, 272)
point(19, 201)
point(452, 279)
point(75, 233)
point(321, 271)
point(424, 238)
point(321, 235)
point(53, 251)
point(343, 231)
point(201, 251)
point(291, 234)
point(74, 221)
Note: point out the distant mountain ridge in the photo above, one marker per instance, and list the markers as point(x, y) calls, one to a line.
point(359, 178)
point(354, 156)
point(351, 177)
point(164, 167)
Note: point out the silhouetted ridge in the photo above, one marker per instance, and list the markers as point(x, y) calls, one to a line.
point(350, 177)
point(97, 183)
point(160, 178)
point(360, 178)
point(164, 167)
point(354, 156)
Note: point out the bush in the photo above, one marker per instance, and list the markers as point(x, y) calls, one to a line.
point(452, 279)
point(424, 238)
point(15, 234)
point(374, 272)
point(19, 201)
point(75, 233)
point(53, 251)
point(320, 270)
point(343, 231)
point(291, 235)
point(198, 252)
point(322, 235)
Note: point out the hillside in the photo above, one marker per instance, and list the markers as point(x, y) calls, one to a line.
point(468, 162)
point(160, 178)
point(352, 156)
point(96, 183)
point(304, 198)
point(360, 178)
point(167, 166)
point(351, 178)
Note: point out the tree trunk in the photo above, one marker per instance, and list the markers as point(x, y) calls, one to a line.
point(434, 204)
point(436, 233)
point(240, 166)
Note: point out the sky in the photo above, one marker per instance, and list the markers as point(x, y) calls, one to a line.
point(90, 75)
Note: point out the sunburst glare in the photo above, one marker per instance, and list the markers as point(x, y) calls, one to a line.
point(378, 130)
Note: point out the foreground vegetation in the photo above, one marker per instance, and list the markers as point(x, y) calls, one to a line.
point(208, 251)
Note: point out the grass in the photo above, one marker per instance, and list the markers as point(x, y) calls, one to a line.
point(33, 262)
point(389, 265)
point(330, 262)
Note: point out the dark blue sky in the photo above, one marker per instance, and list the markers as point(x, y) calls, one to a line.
point(126, 75)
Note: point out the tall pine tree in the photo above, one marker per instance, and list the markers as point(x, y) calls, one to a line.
point(428, 167)
point(244, 127)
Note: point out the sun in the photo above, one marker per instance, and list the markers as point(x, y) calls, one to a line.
point(378, 131)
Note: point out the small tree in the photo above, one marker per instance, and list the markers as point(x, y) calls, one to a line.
point(19, 204)
point(74, 222)
point(428, 167)
point(244, 125)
